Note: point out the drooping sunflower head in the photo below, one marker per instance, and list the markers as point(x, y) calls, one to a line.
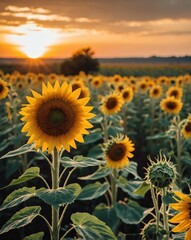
point(155, 92)
point(186, 130)
point(57, 118)
point(3, 89)
point(112, 103)
point(171, 105)
point(175, 92)
point(161, 173)
point(127, 94)
point(149, 232)
point(117, 151)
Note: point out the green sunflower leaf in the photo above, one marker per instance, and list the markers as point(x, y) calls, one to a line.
point(23, 149)
point(142, 189)
point(132, 168)
point(35, 236)
point(80, 161)
point(107, 215)
point(29, 174)
point(94, 190)
point(96, 151)
point(90, 227)
point(94, 136)
point(21, 218)
point(129, 186)
point(131, 212)
point(60, 196)
point(17, 197)
point(100, 173)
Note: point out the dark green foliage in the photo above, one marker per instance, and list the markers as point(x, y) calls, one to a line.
point(82, 60)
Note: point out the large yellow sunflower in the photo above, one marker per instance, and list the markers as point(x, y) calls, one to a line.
point(155, 92)
point(56, 118)
point(183, 218)
point(171, 105)
point(186, 130)
point(112, 103)
point(175, 92)
point(118, 151)
point(3, 89)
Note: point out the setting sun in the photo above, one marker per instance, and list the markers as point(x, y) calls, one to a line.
point(33, 40)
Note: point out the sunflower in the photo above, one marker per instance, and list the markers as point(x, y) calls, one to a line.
point(112, 103)
point(3, 89)
point(56, 118)
point(85, 92)
point(171, 105)
point(40, 77)
point(163, 80)
point(118, 151)
point(117, 78)
point(97, 82)
point(127, 94)
point(143, 86)
point(175, 92)
point(186, 130)
point(77, 84)
point(155, 91)
point(183, 218)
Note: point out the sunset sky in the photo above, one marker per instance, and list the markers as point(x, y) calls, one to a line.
point(122, 28)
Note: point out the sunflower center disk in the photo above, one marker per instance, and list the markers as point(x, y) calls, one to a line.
point(1, 88)
point(171, 105)
point(111, 103)
point(188, 127)
point(174, 93)
point(117, 152)
point(125, 95)
point(155, 91)
point(55, 117)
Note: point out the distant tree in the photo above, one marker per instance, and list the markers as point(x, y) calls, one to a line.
point(81, 60)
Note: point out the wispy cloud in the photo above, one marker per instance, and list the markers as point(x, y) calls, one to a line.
point(86, 20)
point(34, 16)
point(26, 9)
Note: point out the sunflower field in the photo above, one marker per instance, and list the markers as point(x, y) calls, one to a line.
point(95, 157)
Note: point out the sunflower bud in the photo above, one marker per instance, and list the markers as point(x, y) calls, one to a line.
point(161, 173)
point(149, 232)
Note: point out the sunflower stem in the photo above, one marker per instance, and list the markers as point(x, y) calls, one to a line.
point(157, 213)
point(114, 186)
point(165, 215)
point(55, 185)
point(105, 128)
point(178, 145)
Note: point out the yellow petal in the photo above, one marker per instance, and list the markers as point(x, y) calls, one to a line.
point(180, 217)
point(183, 226)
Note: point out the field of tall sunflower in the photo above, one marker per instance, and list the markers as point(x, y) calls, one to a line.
point(95, 157)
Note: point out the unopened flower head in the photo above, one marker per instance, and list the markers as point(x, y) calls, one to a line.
point(161, 173)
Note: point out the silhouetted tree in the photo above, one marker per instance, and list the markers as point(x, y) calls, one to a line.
point(81, 60)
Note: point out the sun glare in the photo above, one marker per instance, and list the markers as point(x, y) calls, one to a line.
point(33, 40)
